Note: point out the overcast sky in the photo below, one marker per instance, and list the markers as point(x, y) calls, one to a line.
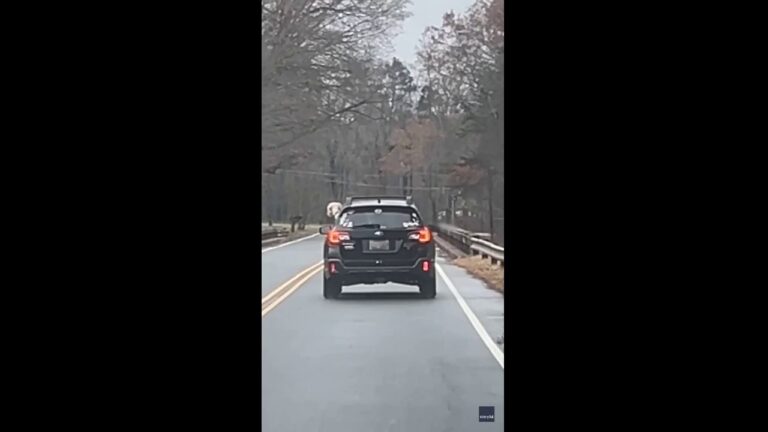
point(424, 13)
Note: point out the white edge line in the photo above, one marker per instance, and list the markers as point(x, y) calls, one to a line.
point(289, 243)
point(495, 351)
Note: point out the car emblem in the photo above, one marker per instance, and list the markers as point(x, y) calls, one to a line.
point(378, 233)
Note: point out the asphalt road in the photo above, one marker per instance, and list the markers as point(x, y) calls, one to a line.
point(379, 359)
point(278, 265)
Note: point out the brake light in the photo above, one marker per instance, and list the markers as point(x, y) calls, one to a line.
point(424, 235)
point(425, 266)
point(336, 237)
point(333, 237)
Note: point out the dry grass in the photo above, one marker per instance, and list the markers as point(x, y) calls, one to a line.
point(492, 275)
point(308, 231)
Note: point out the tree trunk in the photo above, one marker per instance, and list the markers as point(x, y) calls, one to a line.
point(270, 199)
point(332, 148)
point(410, 182)
point(452, 219)
point(490, 202)
point(301, 192)
point(431, 195)
point(343, 186)
point(376, 165)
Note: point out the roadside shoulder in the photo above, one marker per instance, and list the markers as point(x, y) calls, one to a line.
point(485, 303)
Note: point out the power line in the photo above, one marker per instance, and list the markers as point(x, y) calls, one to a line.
point(327, 174)
point(379, 186)
point(435, 188)
point(306, 172)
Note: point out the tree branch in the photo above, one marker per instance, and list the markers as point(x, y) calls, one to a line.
point(317, 127)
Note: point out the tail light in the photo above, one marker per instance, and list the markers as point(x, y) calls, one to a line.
point(425, 266)
point(332, 267)
point(423, 235)
point(336, 237)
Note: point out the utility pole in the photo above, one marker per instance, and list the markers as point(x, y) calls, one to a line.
point(453, 208)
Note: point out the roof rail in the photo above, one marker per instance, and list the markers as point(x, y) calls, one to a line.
point(408, 199)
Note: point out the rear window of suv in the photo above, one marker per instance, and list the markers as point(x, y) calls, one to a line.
point(379, 217)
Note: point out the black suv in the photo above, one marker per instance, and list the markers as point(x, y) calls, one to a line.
point(377, 240)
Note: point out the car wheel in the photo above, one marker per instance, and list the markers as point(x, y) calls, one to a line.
point(331, 288)
point(428, 288)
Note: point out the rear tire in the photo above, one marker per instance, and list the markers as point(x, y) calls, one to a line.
point(428, 288)
point(331, 289)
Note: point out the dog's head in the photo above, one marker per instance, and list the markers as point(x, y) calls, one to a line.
point(333, 209)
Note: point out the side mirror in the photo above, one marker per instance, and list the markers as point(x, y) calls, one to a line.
point(324, 230)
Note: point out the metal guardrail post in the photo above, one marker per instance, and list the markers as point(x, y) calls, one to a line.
point(472, 243)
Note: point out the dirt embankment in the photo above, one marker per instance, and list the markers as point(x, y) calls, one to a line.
point(492, 275)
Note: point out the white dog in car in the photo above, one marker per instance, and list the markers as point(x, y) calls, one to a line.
point(333, 209)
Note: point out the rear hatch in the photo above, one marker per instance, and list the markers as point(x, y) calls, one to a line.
point(378, 237)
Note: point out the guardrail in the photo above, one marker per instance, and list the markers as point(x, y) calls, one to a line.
point(488, 250)
point(272, 234)
point(458, 237)
point(472, 243)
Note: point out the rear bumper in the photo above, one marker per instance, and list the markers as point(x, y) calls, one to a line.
point(379, 274)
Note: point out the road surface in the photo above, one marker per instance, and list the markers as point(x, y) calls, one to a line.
point(380, 358)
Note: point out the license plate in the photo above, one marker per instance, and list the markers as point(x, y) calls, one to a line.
point(378, 245)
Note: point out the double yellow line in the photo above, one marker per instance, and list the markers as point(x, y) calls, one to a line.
point(271, 300)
